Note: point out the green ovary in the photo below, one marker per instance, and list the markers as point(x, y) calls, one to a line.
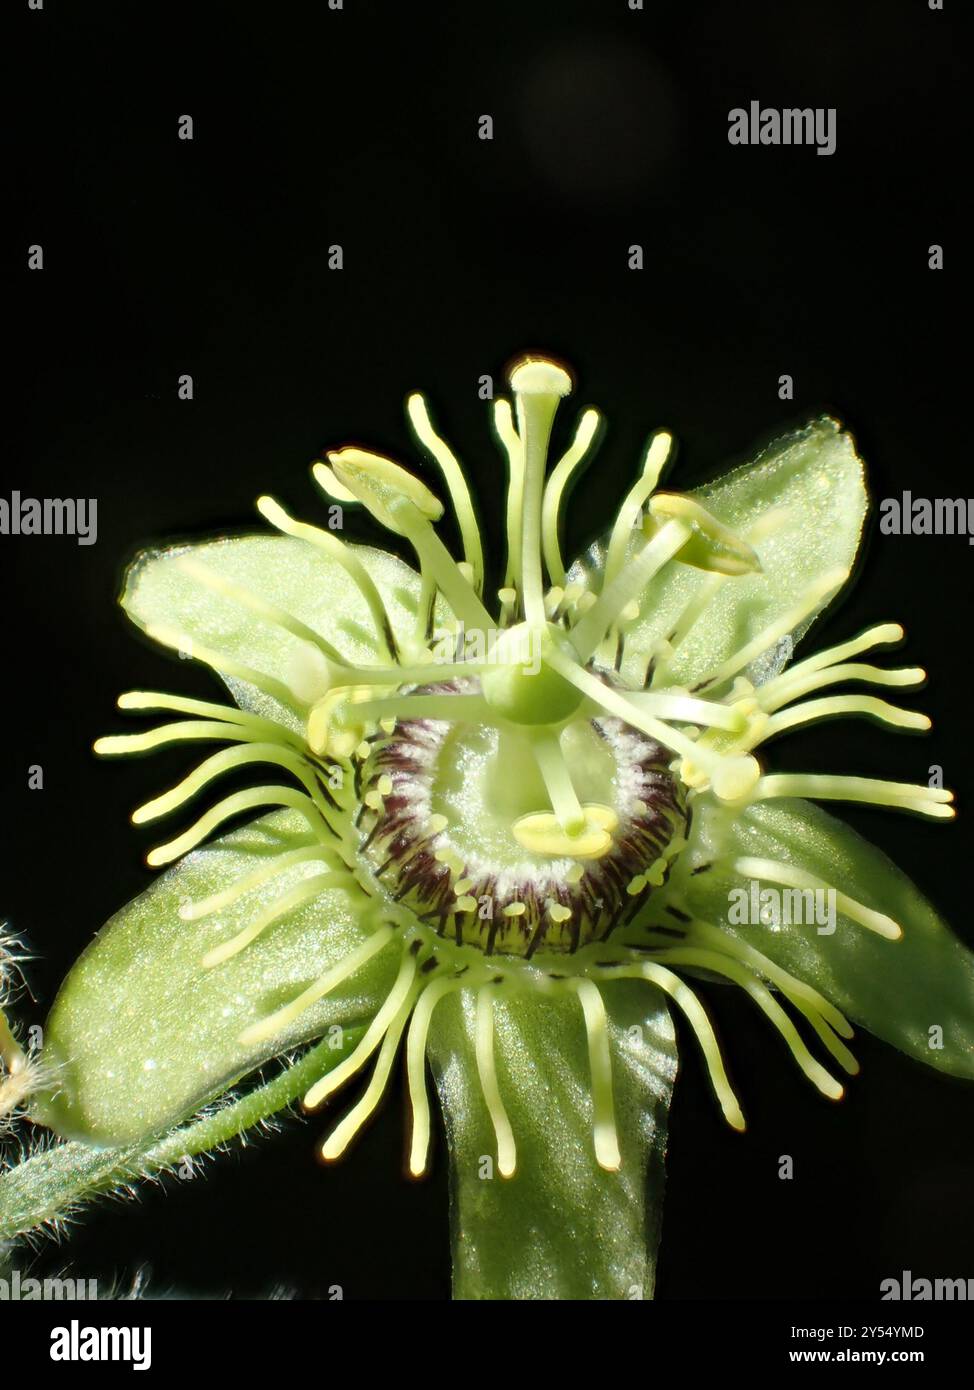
point(522, 687)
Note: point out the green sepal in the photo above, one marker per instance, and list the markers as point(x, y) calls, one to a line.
point(813, 481)
point(289, 573)
point(142, 1034)
point(561, 1227)
point(898, 989)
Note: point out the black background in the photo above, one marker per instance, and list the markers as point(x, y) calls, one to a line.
point(360, 127)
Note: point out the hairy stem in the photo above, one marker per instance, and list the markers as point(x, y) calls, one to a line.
point(50, 1185)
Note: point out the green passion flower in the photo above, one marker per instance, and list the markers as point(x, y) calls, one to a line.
point(503, 833)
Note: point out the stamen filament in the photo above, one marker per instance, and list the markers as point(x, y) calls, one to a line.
point(436, 560)
point(282, 1018)
point(623, 708)
point(708, 589)
point(600, 1064)
point(678, 705)
point(456, 483)
point(487, 1070)
point(553, 767)
point(455, 708)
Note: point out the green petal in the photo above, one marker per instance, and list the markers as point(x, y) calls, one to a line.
point(814, 480)
point(899, 990)
point(288, 573)
point(142, 1034)
point(561, 1227)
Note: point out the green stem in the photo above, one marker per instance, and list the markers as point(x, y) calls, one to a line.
point(50, 1184)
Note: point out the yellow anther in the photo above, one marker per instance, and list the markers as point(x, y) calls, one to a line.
point(331, 725)
point(542, 833)
point(552, 600)
point(735, 778)
point(693, 774)
point(656, 872)
point(712, 545)
point(757, 722)
point(380, 484)
point(558, 912)
point(600, 815)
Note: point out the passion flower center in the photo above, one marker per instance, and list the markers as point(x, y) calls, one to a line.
point(443, 805)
